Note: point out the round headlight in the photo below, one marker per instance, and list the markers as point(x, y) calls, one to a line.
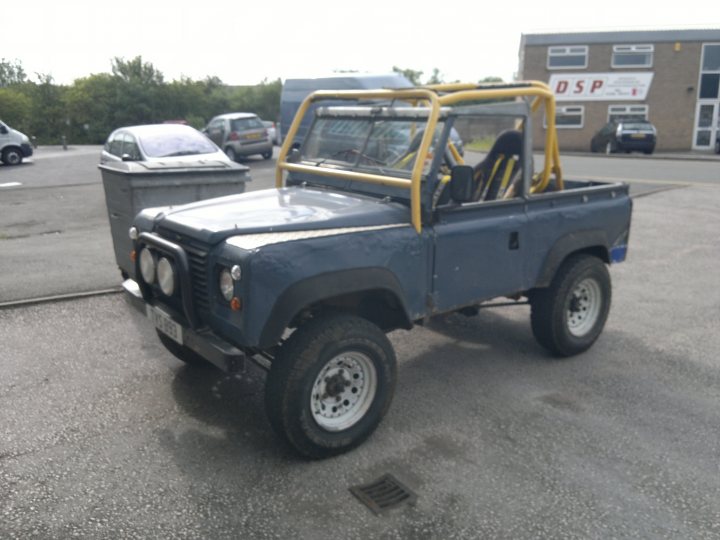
point(133, 233)
point(147, 266)
point(226, 284)
point(236, 272)
point(166, 276)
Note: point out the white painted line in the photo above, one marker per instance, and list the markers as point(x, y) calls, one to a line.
point(11, 184)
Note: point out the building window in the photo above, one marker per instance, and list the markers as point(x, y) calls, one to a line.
point(711, 57)
point(567, 57)
point(572, 117)
point(709, 85)
point(627, 112)
point(632, 56)
point(710, 74)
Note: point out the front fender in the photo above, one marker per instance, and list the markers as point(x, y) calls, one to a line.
point(326, 286)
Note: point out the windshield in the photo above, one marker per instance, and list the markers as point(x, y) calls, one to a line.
point(186, 143)
point(637, 125)
point(372, 144)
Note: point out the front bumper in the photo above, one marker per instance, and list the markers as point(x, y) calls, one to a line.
point(26, 149)
point(218, 352)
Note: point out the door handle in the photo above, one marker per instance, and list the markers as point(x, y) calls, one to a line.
point(514, 242)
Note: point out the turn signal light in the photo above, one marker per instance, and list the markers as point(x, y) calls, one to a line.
point(133, 255)
point(236, 304)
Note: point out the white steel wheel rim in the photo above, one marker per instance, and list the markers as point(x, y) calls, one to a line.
point(584, 307)
point(343, 391)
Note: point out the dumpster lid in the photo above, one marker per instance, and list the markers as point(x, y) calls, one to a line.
point(172, 166)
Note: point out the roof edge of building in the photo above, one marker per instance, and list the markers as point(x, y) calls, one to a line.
point(620, 36)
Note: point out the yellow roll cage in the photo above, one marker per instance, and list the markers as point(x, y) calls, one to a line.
point(434, 97)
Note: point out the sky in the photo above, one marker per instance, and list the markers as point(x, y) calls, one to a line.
point(245, 42)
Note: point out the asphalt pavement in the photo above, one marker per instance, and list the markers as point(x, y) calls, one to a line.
point(105, 435)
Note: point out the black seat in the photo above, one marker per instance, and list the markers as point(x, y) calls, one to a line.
point(496, 173)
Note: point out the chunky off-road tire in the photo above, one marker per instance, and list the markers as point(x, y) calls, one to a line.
point(569, 315)
point(330, 385)
point(12, 156)
point(182, 353)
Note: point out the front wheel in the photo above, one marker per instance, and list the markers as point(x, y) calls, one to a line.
point(330, 385)
point(12, 156)
point(569, 316)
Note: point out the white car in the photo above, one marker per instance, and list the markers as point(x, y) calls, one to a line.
point(272, 131)
point(160, 142)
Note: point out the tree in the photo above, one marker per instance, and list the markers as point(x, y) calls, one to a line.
point(410, 74)
point(16, 108)
point(136, 71)
point(11, 73)
point(137, 92)
point(90, 104)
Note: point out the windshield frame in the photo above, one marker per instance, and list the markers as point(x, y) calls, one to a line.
point(434, 97)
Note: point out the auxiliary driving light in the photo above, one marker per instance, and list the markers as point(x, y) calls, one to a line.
point(166, 276)
point(147, 266)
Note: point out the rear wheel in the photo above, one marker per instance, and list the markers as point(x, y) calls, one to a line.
point(12, 156)
point(268, 154)
point(230, 153)
point(569, 316)
point(609, 147)
point(330, 385)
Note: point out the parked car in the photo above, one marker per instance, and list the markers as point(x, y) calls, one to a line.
point(158, 142)
point(272, 131)
point(240, 134)
point(625, 136)
point(14, 146)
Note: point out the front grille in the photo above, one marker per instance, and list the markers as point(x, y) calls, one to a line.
point(199, 278)
point(197, 259)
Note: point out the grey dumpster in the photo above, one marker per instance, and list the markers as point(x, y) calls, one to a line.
point(131, 186)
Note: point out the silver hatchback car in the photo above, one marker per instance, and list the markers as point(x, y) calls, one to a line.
point(160, 142)
point(240, 134)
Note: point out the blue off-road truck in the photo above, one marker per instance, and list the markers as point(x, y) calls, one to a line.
point(378, 224)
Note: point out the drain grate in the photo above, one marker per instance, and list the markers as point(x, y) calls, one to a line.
point(384, 494)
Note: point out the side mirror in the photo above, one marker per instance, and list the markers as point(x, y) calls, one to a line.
point(462, 183)
point(126, 157)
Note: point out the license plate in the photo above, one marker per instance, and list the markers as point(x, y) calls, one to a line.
point(253, 136)
point(165, 324)
point(638, 135)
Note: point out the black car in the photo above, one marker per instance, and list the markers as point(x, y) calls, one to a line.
point(625, 136)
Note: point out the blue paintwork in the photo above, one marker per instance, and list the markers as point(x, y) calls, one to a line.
point(275, 210)
point(464, 255)
point(618, 254)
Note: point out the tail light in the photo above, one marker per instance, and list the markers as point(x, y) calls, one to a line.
point(233, 136)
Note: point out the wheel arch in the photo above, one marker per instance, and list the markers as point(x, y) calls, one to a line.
point(592, 242)
point(374, 294)
point(9, 147)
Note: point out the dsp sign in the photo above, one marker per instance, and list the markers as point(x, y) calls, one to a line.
point(601, 86)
